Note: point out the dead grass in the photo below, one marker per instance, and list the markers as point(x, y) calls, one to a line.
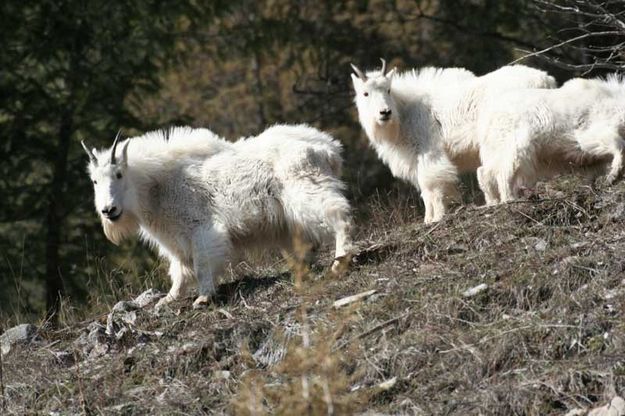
point(546, 336)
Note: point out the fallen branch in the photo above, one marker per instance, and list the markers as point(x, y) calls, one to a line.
point(354, 298)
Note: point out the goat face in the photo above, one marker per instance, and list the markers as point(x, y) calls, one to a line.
point(374, 100)
point(109, 182)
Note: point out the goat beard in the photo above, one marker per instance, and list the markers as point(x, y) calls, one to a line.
point(387, 132)
point(117, 231)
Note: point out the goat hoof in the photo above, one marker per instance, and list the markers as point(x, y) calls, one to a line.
point(201, 302)
point(610, 179)
point(340, 264)
point(162, 303)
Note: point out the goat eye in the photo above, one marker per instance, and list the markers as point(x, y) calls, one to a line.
point(119, 175)
point(389, 91)
point(95, 182)
point(366, 94)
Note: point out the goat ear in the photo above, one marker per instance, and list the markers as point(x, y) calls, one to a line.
point(391, 73)
point(356, 80)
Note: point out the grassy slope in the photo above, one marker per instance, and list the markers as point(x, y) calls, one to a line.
point(545, 337)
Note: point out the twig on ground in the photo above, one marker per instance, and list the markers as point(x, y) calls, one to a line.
point(353, 298)
point(373, 330)
point(528, 217)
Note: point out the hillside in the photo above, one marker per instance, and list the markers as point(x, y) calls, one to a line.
point(542, 335)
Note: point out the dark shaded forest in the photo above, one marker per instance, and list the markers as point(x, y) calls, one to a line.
point(74, 70)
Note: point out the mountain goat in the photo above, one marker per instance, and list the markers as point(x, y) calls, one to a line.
point(423, 124)
point(200, 199)
point(534, 134)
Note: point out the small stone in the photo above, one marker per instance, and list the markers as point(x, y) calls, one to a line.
point(388, 384)
point(474, 290)
point(576, 412)
point(222, 374)
point(188, 347)
point(541, 245)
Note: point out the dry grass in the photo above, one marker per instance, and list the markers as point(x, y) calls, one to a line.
point(545, 337)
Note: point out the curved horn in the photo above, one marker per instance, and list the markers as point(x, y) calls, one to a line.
point(113, 161)
point(92, 157)
point(358, 72)
point(383, 67)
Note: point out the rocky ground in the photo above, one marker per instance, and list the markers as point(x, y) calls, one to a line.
point(510, 310)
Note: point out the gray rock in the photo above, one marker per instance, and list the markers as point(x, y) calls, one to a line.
point(129, 317)
point(97, 334)
point(122, 333)
point(541, 245)
point(111, 325)
point(125, 306)
point(99, 350)
point(21, 334)
point(147, 297)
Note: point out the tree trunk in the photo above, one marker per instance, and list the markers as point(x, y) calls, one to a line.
point(54, 277)
point(258, 91)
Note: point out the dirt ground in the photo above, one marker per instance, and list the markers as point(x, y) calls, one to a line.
point(541, 333)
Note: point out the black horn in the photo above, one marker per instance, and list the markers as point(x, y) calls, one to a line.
point(358, 72)
point(92, 157)
point(113, 161)
point(383, 67)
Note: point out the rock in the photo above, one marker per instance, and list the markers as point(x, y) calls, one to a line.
point(122, 333)
point(99, 350)
point(615, 408)
point(125, 306)
point(97, 334)
point(474, 290)
point(541, 245)
point(388, 384)
point(129, 317)
point(111, 326)
point(148, 297)
point(222, 374)
point(18, 335)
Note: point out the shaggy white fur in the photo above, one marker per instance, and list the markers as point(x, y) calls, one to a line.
point(534, 134)
point(423, 124)
point(200, 199)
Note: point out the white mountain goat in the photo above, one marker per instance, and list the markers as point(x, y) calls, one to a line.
point(201, 200)
point(534, 134)
point(423, 124)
